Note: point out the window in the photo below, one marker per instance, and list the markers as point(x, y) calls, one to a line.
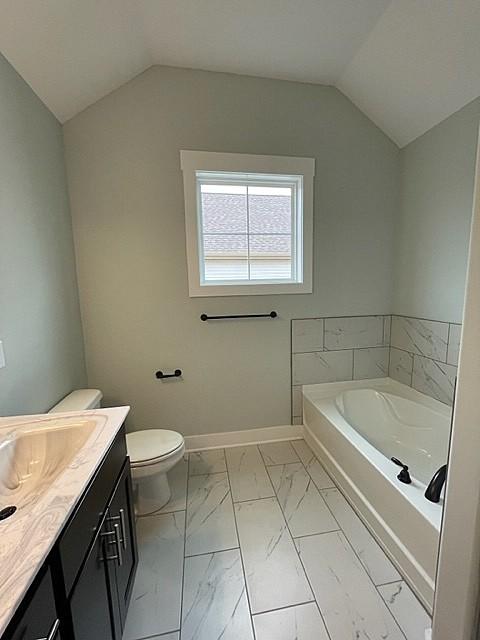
point(248, 227)
point(248, 223)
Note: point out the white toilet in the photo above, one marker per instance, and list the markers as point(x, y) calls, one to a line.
point(79, 400)
point(152, 453)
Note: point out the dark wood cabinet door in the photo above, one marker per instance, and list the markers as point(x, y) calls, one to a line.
point(121, 516)
point(91, 599)
point(37, 618)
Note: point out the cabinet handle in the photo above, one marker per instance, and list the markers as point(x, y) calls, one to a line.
point(124, 528)
point(120, 517)
point(118, 541)
point(52, 634)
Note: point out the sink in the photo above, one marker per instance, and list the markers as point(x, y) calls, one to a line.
point(34, 455)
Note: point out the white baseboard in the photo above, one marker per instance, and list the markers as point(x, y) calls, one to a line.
point(242, 438)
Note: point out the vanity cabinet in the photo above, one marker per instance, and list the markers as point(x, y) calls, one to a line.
point(92, 601)
point(105, 581)
point(121, 521)
point(38, 617)
point(84, 588)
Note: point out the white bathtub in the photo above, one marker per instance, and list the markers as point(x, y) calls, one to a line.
point(355, 428)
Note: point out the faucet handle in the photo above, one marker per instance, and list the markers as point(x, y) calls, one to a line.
point(403, 476)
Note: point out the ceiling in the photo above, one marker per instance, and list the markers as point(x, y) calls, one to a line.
point(407, 64)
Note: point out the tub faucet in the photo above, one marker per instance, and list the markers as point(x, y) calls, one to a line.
point(435, 486)
point(404, 475)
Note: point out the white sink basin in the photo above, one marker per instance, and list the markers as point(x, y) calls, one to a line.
point(35, 453)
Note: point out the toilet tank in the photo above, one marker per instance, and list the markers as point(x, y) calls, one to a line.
point(79, 400)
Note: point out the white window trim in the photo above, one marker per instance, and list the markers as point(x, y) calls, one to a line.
point(193, 161)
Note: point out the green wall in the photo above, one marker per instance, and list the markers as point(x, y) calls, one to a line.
point(127, 206)
point(391, 234)
point(433, 229)
point(39, 310)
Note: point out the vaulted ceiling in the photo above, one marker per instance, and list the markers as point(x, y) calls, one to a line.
point(408, 64)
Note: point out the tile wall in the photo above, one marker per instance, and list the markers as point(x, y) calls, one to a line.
point(420, 353)
point(337, 349)
point(424, 355)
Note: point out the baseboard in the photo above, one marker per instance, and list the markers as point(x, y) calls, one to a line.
point(242, 438)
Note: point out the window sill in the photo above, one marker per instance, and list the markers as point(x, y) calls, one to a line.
point(214, 290)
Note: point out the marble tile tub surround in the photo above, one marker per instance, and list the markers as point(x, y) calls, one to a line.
point(261, 575)
point(420, 353)
point(424, 355)
point(337, 349)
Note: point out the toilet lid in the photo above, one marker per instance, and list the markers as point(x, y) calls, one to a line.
point(151, 444)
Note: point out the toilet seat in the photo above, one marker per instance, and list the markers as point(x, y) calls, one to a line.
point(150, 446)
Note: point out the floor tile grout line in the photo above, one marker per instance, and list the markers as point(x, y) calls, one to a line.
point(385, 584)
point(260, 466)
point(305, 572)
point(228, 493)
point(253, 499)
point(392, 614)
point(188, 476)
point(261, 456)
point(184, 549)
point(367, 573)
point(288, 606)
point(321, 498)
point(283, 464)
point(280, 464)
point(276, 464)
point(340, 529)
point(275, 497)
point(161, 512)
point(207, 473)
point(307, 536)
point(292, 539)
point(159, 636)
point(298, 556)
point(357, 555)
point(209, 553)
point(334, 486)
point(318, 488)
point(402, 579)
point(319, 533)
point(350, 544)
point(247, 595)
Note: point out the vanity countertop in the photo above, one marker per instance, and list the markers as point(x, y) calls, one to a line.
point(79, 443)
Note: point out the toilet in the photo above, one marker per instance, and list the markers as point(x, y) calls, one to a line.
point(152, 453)
point(79, 400)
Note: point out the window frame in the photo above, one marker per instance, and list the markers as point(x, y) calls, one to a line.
point(193, 162)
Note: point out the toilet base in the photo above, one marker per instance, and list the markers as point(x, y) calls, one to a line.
point(151, 493)
point(150, 482)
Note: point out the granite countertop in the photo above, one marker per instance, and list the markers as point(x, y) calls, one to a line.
point(45, 505)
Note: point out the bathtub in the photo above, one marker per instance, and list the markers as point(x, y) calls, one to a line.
point(355, 428)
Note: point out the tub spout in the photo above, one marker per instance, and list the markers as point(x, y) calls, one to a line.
point(435, 487)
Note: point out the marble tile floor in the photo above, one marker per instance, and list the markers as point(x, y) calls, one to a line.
point(257, 543)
